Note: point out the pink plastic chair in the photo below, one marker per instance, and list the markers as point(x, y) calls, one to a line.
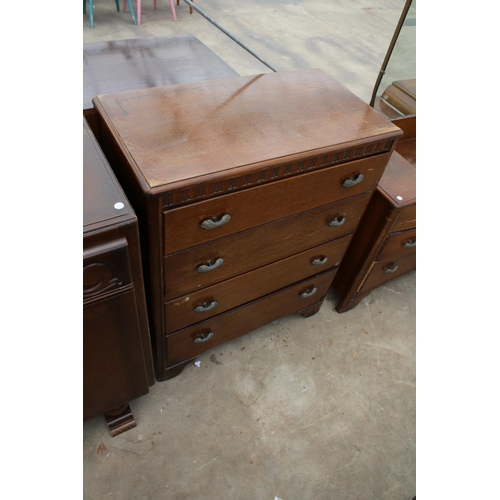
point(138, 9)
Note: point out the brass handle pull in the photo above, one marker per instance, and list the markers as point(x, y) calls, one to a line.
point(319, 261)
point(205, 307)
point(214, 222)
point(205, 268)
point(352, 181)
point(391, 268)
point(203, 337)
point(338, 221)
point(308, 293)
point(409, 244)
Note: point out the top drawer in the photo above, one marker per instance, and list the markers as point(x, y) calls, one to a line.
point(212, 219)
point(406, 219)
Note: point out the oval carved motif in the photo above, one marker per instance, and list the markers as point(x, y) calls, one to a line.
point(98, 278)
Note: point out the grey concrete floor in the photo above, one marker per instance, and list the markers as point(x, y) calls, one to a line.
point(321, 408)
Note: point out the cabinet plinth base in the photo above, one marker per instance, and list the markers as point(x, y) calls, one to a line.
point(347, 305)
point(307, 312)
point(120, 420)
point(176, 370)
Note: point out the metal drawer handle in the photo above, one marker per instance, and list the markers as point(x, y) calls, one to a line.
point(308, 293)
point(204, 268)
point(214, 222)
point(409, 244)
point(338, 221)
point(203, 337)
point(319, 261)
point(352, 181)
point(391, 268)
point(205, 307)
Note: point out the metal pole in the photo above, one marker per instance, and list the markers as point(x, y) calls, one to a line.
point(406, 8)
point(208, 18)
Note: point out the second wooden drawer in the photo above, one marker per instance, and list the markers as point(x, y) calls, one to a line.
point(398, 244)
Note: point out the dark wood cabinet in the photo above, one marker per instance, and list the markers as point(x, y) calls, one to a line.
point(117, 358)
point(248, 191)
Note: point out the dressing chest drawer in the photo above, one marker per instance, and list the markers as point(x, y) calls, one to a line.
point(248, 191)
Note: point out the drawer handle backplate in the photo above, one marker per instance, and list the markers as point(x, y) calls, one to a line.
point(205, 268)
point(409, 244)
point(214, 222)
point(352, 181)
point(203, 337)
point(308, 293)
point(391, 268)
point(205, 307)
point(338, 221)
point(319, 261)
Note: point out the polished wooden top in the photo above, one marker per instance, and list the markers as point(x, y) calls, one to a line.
point(398, 182)
point(194, 131)
point(137, 63)
point(101, 191)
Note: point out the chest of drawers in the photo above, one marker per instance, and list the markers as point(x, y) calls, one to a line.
point(249, 190)
point(384, 244)
point(117, 358)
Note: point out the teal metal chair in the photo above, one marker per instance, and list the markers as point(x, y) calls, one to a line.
point(91, 10)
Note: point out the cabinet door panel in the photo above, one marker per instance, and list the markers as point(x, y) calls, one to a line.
point(114, 371)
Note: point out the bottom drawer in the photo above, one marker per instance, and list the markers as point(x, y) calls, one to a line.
point(388, 269)
point(190, 342)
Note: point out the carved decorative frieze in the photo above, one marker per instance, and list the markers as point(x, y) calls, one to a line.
point(273, 173)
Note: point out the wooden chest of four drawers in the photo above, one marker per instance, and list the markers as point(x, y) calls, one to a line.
point(248, 190)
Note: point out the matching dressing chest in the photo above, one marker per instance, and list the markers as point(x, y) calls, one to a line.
point(384, 244)
point(248, 191)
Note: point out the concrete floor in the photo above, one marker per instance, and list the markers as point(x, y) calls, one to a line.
point(301, 409)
